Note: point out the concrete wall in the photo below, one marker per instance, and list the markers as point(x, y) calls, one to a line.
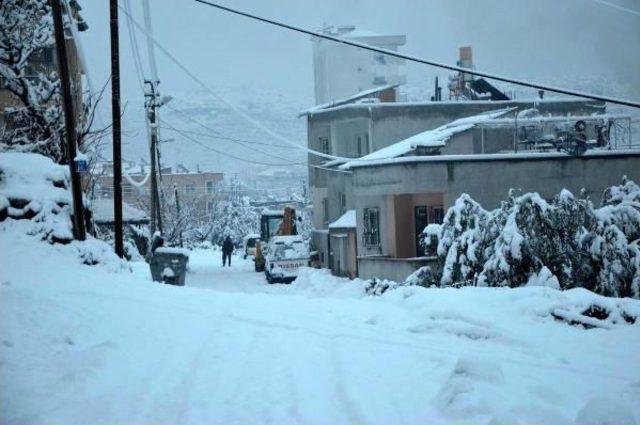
point(320, 243)
point(388, 123)
point(488, 178)
point(397, 222)
point(390, 268)
point(337, 184)
point(395, 189)
point(341, 71)
point(343, 252)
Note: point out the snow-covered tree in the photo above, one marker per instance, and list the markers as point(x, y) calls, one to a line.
point(36, 123)
point(459, 240)
point(235, 218)
point(514, 258)
point(565, 242)
point(26, 31)
point(621, 206)
point(610, 249)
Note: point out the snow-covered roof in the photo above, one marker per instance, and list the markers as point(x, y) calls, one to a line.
point(347, 220)
point(251, 236)
point(430, 138)
point(103, 212)
point(598, 106)
point(358, 33)
point(496, 157)
point(347, 100)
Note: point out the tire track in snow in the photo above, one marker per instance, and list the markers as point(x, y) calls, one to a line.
point(350, 408)
point(194, 369)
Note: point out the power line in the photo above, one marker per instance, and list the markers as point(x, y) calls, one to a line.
point(230, 139)
point(220, 135)
point(523, 83)
point(221, 99)
point(189, 138)
point(620, 8)
point(182, 132)
point(137, 62)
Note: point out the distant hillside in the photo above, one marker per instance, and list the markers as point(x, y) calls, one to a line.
point(199, 123)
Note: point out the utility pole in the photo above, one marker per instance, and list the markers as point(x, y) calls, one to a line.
point(115, 111)
point(175, 191)
point(79, 230)
point(152, 103)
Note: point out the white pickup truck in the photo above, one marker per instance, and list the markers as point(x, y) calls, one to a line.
point(283, 257)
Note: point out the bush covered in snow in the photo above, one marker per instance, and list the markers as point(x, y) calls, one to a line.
point(32, 187)
point(35, 199)
point(563, 243)
point(235, 218)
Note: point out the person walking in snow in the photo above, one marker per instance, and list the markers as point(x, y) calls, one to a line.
point(227, 250)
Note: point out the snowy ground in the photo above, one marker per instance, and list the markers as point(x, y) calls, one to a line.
point(103, 344)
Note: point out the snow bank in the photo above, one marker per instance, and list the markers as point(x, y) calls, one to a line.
point(35, 201)
point(34, 188)
point(605, 411)
point(104, 344)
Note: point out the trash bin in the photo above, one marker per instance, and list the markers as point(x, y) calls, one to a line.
point(169, 265)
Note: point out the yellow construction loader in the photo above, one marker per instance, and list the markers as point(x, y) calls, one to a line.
point(274, 223)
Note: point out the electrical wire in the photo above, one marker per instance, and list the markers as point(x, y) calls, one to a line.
point(149, 30)
point(229, 139)
point(620, 8)
point(220, 135)
point(191, 139)
point(134, 49)
point(182, 132)
point(410, 58)
point(221, 99)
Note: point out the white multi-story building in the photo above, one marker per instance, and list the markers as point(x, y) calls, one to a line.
point(341, 71)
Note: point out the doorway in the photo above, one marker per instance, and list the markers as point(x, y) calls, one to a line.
point(421, 219)
point(424, 215)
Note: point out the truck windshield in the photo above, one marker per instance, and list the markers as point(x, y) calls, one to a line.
point(294, 250)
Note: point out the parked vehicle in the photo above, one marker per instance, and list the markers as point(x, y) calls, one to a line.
point(284, 255)
point(249, 245)
point(273, 223)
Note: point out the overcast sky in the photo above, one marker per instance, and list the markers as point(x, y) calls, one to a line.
point(544, 40)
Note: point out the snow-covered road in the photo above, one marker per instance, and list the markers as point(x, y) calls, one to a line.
point(99, 344)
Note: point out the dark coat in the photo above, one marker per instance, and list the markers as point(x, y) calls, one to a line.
point(227, 246)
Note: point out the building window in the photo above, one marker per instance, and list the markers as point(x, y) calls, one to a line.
point(381, 59)
point(363, 144)
point(371, 223)
point(342, 202)
point(325, 210)
point(325, 145)
point(437, 214)
point(190, 189)
point(210, 185)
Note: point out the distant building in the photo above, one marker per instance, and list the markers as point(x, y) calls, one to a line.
point(394, 192)
point(341, 70)
point(202, 188)
point(45, 61)
point(357, 129)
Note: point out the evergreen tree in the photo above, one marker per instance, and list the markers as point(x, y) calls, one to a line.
point(459, 238)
